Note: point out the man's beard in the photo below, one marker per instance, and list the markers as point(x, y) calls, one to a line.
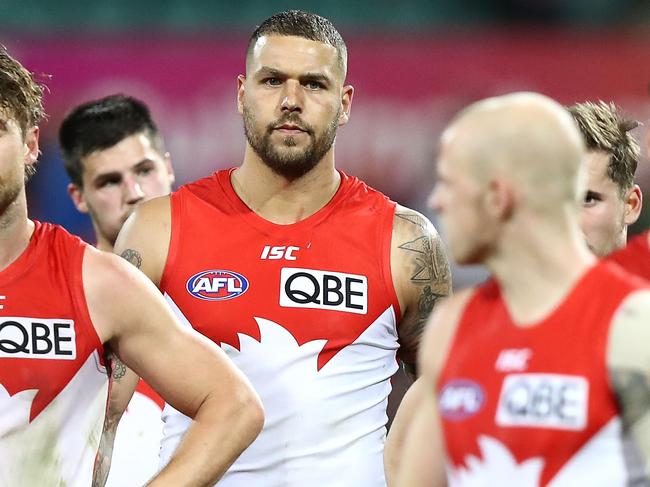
point(10, 189)
point(290, 164)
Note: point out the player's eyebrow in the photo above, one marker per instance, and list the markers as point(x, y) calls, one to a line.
point(268, 72)
point(317, 77)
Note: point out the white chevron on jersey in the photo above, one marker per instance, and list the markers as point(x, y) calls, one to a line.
point(28, 452)
point(599, 463)
point(318, 423)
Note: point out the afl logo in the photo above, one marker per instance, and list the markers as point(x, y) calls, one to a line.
point(217, 285)
point(460, 399)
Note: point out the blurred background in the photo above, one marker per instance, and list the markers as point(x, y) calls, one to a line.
point(413, 63)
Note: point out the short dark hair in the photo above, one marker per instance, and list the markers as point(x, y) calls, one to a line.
point(100, 124)
point(306, 25)
point(605, 129)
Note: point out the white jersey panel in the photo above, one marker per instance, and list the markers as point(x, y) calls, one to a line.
point(137, 443)
point(60, 445)
point(320, 424)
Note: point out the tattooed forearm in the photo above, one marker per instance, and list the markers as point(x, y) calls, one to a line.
point(104, 452)
point(632, 388)
point(132, 256)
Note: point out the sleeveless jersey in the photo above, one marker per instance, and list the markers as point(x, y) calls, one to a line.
point(137, 439)
point(308, 312)
point(53, 385)
point(532, 406)
point(635, 256)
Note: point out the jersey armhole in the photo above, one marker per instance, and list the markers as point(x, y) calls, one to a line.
point(176, 208)
point(386, 240)
point(79, 298)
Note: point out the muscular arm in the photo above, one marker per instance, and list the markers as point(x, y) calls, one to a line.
point(123, 383)
point(628, 361)
point(144, 333)
point(421, 276)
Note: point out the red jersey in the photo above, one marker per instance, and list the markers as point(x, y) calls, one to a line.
point(635, 256)
point(307, 311)
point(532, 406)
point(53, 386)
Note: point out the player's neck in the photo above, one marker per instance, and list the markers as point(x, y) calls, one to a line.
point(537, 267)
point(15, 231)
point(103, 244)
point(279, 200)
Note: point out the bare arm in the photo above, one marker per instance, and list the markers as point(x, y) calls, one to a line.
point(421, 275)
point(123, 383)
point(628, 361)
point(422, 456)
point(394, 448)
point(149, 339)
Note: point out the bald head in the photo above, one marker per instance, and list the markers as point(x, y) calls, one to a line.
point(526, 138)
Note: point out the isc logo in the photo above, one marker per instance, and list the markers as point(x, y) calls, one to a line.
point(460, 399)
point(277, 252)
point(37, 338)
point(308, 288)
point(217, 285)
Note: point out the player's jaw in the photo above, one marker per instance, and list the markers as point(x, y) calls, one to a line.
point(289, 146)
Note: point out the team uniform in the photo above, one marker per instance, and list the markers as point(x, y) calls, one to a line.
point(308, 312)
point(533, 406)
point(53, 384)
point(635, 256)
point(137, 439)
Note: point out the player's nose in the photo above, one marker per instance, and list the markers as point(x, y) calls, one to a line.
point(292, 97)
point(133, 193)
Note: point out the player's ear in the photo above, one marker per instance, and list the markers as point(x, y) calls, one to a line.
point(346, 104)
point(31, 146)
point(241, 88)
point(499, 199)
point(633, 204)
point(169, 167)
point(77, 196)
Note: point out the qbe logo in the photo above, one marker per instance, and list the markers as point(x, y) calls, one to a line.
point(37, 338)
point(551, 401)
point(308, 288)
point(460, 399)
point(217, 285)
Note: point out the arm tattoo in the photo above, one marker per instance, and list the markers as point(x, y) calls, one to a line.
point(107, 440)
point(104, 452)
point(117, 366)
point(132, 256)
point(430, 275)
point(632, 388)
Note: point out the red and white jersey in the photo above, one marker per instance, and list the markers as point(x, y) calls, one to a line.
point(635, 256)
point(53, 385)
point(308, 312)
point(137, 439)
point(532, 406)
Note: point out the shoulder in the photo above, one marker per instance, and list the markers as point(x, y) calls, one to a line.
point(408, 221)
point(145, 237)
point(112, 288)
point(418, 255)
point(441, 330)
